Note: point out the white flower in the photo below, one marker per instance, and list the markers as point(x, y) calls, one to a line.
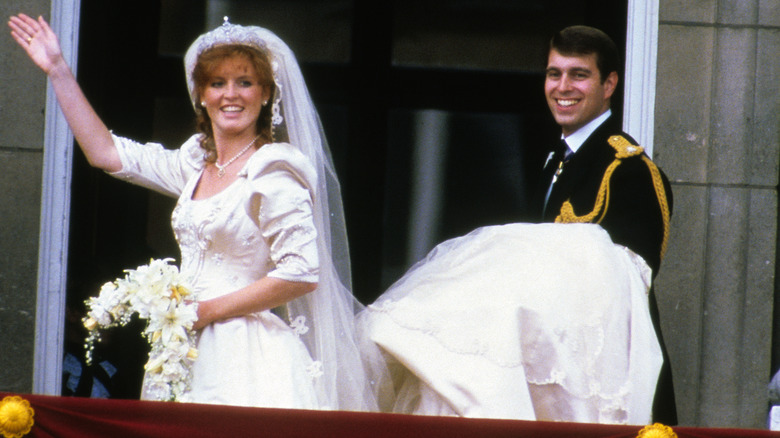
point(171, 320)
point(158, 389)
point(155, 293)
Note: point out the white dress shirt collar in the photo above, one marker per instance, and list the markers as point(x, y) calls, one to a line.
point(576, 139)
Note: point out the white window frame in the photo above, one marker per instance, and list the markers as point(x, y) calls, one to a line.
point(638, 119)
point(55, 217)
point(641, 64)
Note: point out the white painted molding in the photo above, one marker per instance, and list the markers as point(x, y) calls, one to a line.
point(55, 217)
point(641, 63)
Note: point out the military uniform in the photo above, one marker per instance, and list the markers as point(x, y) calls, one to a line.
point(612, 182)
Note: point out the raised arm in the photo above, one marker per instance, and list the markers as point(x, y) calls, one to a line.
point(43, 47)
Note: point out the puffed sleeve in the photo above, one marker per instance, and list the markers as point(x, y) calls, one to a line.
point(152, 166)
point(281, 182)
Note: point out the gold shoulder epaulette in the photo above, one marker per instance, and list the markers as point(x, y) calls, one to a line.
point(623, 149)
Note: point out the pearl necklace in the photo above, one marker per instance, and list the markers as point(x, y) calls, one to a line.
point(221, 167)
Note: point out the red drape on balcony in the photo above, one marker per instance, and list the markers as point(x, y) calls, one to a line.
point(64, 417)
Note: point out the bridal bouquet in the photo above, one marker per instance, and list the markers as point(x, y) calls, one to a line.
point(156, 293)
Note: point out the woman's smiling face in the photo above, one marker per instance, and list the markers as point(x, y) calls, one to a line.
point(234, 96)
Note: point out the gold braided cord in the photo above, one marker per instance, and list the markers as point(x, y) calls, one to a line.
point(660, 192)
point(567, 215)
point(624, 149)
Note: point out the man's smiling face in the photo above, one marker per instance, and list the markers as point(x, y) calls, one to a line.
point(574, 90)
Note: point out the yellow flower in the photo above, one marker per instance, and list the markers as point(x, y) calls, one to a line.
point(178, 292)
point(657, 430)
point(90, 324)
point(16, 417)
point(155, 365)
point(117, 311)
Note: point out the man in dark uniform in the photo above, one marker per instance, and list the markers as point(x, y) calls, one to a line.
point(600, 175)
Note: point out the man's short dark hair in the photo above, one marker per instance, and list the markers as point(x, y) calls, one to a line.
point(584, 40)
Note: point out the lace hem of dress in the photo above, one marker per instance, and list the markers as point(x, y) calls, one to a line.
point(473, 346)
point(406, 317)
point(585, 386)
point(612, 408)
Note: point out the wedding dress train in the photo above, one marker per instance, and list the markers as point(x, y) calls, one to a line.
point(521, 321)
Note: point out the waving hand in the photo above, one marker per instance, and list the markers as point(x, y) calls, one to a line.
point(38, 40)
point(43, 47)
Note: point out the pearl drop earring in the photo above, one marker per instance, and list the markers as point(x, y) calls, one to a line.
point(203, 104)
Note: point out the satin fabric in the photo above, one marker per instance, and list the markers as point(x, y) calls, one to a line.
point(521, 321)
point(261, 225)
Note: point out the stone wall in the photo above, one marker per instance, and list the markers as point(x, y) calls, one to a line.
point(716, 136)
point(22, 104)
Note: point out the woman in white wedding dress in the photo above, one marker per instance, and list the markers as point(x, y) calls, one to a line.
point(520, 321)
point(259, 220)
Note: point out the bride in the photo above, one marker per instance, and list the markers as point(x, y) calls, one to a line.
point(259, 220)
point(519, 321)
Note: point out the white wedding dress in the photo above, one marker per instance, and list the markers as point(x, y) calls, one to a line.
point(260, 225)
point(520, 321)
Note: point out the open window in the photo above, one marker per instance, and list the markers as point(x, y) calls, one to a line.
point(434, 113)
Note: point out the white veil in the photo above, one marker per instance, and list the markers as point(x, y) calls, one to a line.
point(330, 309)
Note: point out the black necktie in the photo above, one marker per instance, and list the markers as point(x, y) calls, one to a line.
point(567, 152)
point(561, 153)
